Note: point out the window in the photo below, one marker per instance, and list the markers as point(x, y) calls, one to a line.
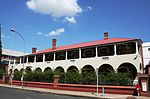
point(88, 52)
point(31, 59)
point(73, 54)
point(17, 60)
point(148, 49)
point(49, 57)
point(25, 59)
point(105, 50)
point(126, 48)
point(39, 58)
point(60, 55)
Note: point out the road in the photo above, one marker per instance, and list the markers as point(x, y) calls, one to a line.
point(10, 93)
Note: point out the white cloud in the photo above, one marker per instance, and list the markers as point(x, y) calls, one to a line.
point(56, 8)
point(56, 32)
point(5, 37)
point(39, 33)
point(67, 9)
point(71, 20)
point(89, 8)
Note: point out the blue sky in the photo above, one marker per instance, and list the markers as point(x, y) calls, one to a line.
point(72, 21)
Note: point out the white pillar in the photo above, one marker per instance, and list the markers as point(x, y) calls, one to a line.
point(20, 60)
point(79, 53)
point(27, 60)
point(137, 51)
point(43, 57)
point(66, 55)
point(54, 56)
point(35, 59)
point(96, 51)
point(115, 50)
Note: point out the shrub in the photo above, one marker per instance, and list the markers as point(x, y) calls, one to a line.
point(48, 76)
point(17, 75)
point(73, 77)
point(114, 79)
point(88, 77)
point(2, 70)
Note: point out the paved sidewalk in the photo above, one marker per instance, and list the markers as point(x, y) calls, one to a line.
point(76, 93)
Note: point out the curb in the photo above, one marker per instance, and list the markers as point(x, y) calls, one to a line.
point(55, 93)
point(60, 92)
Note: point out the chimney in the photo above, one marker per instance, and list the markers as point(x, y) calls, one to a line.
point(53, 44)
point(34, 50)
point(105, 35)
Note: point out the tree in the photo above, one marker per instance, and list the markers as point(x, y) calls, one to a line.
point(17, 75)
point(88, 76)
point(0, 45)
point(73, 76)
point(48, 76)
point(114, 78)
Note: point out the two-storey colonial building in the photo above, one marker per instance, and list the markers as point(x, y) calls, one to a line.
point(119, 54)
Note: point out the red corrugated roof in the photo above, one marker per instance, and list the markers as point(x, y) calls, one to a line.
point(79, 45)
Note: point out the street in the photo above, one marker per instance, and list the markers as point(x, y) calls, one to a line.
point(10, 93)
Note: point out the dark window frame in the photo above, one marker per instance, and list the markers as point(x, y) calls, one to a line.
point(108, 52)
point(88, 52)
point(73, 54)
point(61, 55)
point(126, 48)
point(49, 56)
point(39, 58)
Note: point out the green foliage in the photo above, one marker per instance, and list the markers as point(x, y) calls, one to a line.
point(38, 76)
point(114, 79)
point(88, 76)
point(48, 76)
point(73, 77)
point(0, 46)
point(17, 75)
point(61, 73)
point(2, 70)
point(34, 76)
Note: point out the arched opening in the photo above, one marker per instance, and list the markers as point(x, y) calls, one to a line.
point(48, 74)
point(105, 69)
point(60, 71)
point(28, 69)
point(21, 70)
point(72, 75)
point(16, 70)
point(47, 69)
point(38, 70)
point(88, 75)
point(17, 74)
point(37, 75)
point(129, 69)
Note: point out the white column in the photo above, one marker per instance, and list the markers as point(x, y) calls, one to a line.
point(115, 50)
point(27, 59)
point(79, 53)
point(43, 57)
point(66, 55)
point(35, 59)
point(137, 51)
point(20, 60)
point(96, 51)
point(14, 61)
point(54, 56)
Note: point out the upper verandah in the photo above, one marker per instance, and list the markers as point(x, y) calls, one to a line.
point(86, 44)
